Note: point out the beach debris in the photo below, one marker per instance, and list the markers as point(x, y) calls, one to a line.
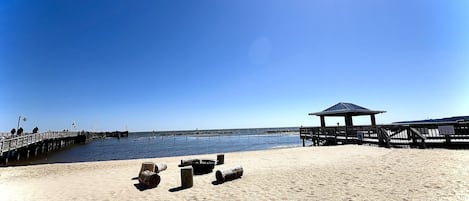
point(159, 167)
point(220, 159)
point(147, 166)
point(229, 174)
point(148, 175)
point(149, 178)
point(203, 166)
point(187, 162)
point(187, 177)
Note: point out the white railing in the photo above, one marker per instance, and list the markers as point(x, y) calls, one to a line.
point(8, 144)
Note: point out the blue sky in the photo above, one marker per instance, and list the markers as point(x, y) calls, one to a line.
point(171, 65)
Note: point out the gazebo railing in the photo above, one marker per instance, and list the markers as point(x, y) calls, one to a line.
point(390, 135)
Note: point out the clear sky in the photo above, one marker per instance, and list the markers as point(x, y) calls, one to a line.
point(206, 64)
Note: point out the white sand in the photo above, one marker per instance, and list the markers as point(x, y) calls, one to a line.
point(312, 173)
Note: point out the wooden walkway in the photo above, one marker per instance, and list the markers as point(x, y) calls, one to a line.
point(21, 146)
point(30, 139)
point(443, 135)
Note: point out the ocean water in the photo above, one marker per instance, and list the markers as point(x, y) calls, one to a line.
point(153, 145)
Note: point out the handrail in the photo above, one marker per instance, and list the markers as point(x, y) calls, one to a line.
point(392, 134)
point(27, 139)
point(417, 133)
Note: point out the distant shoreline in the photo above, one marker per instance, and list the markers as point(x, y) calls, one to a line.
point(223, 131)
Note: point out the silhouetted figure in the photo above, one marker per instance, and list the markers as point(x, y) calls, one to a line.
point(35, 130)
point(13, 131)
point(20, 131)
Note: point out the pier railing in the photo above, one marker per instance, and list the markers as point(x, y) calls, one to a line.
point(415, 135)
point(8, 144)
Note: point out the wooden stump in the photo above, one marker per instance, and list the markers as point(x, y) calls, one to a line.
point(187, 177)
point(149, 178)
point(147, 166)
point(229, 174)
point(159, 167)
point(220, 159)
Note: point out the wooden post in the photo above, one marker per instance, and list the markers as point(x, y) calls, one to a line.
point(7, 158)
point(373, 120)
point(323, 129)
point(388, 141)
point(448, 139)
point(414, 140)
point(379, 133)
point(187, 177)
point(348, 125)
point(323, 122)
point(303, 141)
point(221, 157)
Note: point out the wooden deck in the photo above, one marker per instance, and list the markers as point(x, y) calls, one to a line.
point(30, 139)
point(21, 146)
point(444, 135)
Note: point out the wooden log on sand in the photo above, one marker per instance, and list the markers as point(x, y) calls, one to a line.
point(220, 159)
point(147, 166)
point(149, 178)
point(159, 167)
point(187, 177)
point(229, 174)
point(188, 162)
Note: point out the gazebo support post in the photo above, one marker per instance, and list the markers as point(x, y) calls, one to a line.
point(373, 126)
point(348, 126)
point(323, 128)
point(323, 122)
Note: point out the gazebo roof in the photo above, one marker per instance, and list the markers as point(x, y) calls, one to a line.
point(343, 109)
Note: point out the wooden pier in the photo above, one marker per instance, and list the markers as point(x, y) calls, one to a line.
point(33, 144)
point(452, 132)
point(27, 145)
point(437, 135)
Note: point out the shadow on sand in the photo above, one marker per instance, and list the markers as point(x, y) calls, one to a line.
point(142, 187)
point(180, 188)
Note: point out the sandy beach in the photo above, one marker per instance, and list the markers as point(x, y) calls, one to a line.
point(308, 173)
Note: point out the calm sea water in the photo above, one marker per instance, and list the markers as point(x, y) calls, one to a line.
point(152, 145)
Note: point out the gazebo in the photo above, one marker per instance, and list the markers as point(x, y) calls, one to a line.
point(347, 110)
